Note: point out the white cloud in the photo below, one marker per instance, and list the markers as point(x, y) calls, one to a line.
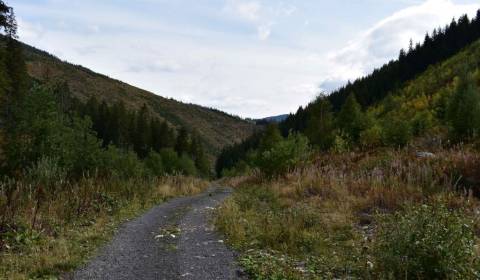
point(247, 10)
point(261, 16)
point(29, 31)
point(211, 60)
point(264, 31)
point(384, 40)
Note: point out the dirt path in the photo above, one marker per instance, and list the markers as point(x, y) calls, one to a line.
point(174, 240)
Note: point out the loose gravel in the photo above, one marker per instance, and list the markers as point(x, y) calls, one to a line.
point(174, 240)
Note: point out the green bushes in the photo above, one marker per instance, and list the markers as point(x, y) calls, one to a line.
point(283, 155)
point(463, 112)
point(121, 164)
point(426, 242)
point(396, 132)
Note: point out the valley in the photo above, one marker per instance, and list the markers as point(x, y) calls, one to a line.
point(378, 178)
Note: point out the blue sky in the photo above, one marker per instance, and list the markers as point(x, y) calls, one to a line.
point(251, 58)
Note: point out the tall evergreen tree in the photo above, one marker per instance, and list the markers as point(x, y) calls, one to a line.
point(142, 133)
point(199, 157)
point(183, 144)
point(321, 124)
point(270, 137)
point(13, 78)
point(351, 119)
point(463, 112)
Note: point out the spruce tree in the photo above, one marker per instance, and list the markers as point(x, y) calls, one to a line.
point(183, 144)
point(463, 111)
point(320, 125)
point(142, 134)
point(270, 137)
point(351, 119)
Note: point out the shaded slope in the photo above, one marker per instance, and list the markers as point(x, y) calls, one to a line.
point(216, 129)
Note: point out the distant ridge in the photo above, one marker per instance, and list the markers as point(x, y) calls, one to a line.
point(215, 128)
point(273, 119)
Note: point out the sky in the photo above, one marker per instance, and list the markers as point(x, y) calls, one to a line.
point(251, 58)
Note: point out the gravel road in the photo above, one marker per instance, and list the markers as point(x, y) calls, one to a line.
point(174, 240)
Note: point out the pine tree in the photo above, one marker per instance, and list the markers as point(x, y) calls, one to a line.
point(351, 119)
point(142, 133)
point(13, 80)
point(320, 125)
point(102, 123)
point(8, 22)
point(182, 144)
point(198, 155)
point(463, 111)
point(270, 137)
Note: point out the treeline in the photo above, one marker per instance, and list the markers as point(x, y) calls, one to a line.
point(44, 123)
point(141, 132)
point(441, 44)
point(455, 118)
point(445, 106)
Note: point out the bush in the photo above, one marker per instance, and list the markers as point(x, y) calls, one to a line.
point(122, 164)
point(396, 132)
point(170, 160)
point(241, 168)
point(174, 164)
point(284, 155)
point(371, 137)
point(186, 166)
point(154, 164)
point(341, 143)
point(427, 242)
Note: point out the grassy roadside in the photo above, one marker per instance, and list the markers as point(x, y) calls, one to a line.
point(380, 215)
point(60, 242)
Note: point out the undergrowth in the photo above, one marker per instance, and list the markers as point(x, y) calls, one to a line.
point(380, 215)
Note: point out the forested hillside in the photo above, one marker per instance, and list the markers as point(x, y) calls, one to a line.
point(397, 103)
point(437, 46)
point(214, 128)
point(380, 180)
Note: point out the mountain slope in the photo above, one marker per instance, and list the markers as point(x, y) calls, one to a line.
point(417, 110)
point(438, 46)
point(215, 128)
point(426, 97)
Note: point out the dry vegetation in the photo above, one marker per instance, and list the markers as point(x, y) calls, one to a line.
point(325, 220)
point(53, 231)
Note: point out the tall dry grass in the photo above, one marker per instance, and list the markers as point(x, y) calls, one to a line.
point(46, 230)
point(323, 214)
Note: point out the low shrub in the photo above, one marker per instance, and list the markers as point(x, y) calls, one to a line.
point(425, 242)
point(284, 155)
